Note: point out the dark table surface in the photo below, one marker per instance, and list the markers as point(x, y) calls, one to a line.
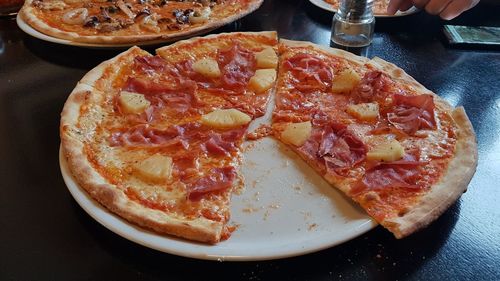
point(45, 235)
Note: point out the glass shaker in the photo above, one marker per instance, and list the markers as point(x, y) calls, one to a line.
point(353, 24)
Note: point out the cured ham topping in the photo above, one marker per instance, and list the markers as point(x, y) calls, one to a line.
point(336, 147)
point(144, 135)
point(402, 173)
point(217, 179)
point(412, 113)
point(217, 146)
point(237, 66)
point(310, 72)
point(150, 64)
point(180, 97)
point(374, 84)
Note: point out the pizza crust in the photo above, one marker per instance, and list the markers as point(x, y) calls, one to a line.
point(28, 15)
point(454, 182)
point(332, 51)
point(72, 141)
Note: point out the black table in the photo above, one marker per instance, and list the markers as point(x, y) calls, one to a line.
point(45, 235)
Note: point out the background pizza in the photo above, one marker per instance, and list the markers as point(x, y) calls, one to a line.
point(125, 21)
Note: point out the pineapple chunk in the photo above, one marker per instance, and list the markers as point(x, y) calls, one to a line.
point(297, 133)
point(267, 58)
point(133, 102)
point(262, 80)
point(155, 168)
point(363, 111)
point(225, 118)
point(387, 152)
point(207, 67)
point(345, 81)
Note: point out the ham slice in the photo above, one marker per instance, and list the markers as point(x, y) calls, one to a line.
point(237, 66)
point(144, 135)
point(217, 179)
point(335, 147)
point(310, 72)
point(397, 174)
point(412, 113)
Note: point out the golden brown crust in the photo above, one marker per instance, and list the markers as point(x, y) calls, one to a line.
point(28, 15)
point(444, 193)
point(113, 198)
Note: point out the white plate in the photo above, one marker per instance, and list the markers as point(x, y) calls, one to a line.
point(37, 34)
point(285, 210)
point(327, 6)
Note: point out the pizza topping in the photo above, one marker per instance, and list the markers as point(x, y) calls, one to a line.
point(412, 113)
point(297, 133)
point(237, 66)
point(345, 81)
point(364, 111)
point(200, 16)
point(386, 152)
point(150, 64)
point(150, 23)
point(340, 149)
point(182, 16)
point(133, 102)
point(180, 98)
point(56, 5)
point(217, 146)
point(125, 9)
point(217, 179)
point(401, 173)
point(374, 84)
point(155, 168)
point(267, 58)
point(225, 118)
point(207, 67)
point(76, 16)
point(144, 135)
point(262, 80)
point(310, 72)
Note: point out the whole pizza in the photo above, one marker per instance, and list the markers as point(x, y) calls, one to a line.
point(157, 139)
point(127, 21)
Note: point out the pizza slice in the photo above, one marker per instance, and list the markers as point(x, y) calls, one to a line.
point(157, 139)
point(397, 149)
point(127, 21)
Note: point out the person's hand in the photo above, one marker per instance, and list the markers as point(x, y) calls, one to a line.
point(446, 9)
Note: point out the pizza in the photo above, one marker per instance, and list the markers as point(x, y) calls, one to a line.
point(379, 6)
point(397, 149)
point(157, 139)
point(128, 21)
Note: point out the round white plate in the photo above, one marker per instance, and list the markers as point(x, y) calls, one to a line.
point(37, 34)
point(327, 6)
point(285, 210)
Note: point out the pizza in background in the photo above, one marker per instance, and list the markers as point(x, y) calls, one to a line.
point(127, 21)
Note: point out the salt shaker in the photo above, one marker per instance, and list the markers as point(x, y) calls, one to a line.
point(353, 24)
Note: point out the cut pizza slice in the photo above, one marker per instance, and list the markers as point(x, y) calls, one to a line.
point(157, 139)
point(399, 150)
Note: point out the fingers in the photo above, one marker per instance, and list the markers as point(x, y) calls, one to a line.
point(394, 6)
point(456, 7)
point(435, 7)
point(406, 5)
